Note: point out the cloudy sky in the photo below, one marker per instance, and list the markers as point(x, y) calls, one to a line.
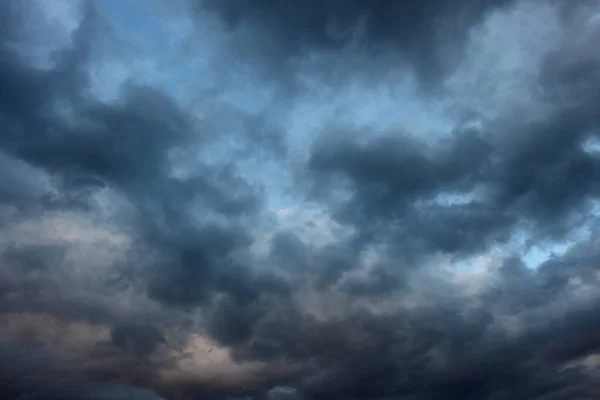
point(299, 200)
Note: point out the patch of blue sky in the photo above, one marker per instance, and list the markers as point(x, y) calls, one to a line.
point(534, 255)
point(592, 145)
point(389, 107)
point(134, 25)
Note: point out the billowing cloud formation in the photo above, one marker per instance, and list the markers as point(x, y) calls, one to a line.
point(425, 33)
point(299, 200)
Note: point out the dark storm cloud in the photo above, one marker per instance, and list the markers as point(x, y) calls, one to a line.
point(52, 126)
point(449, 348)
point(429, 34)
point(386, 178)
point(327, 264)
point(538, 172)
point(535, 172)
point(29, 374)
point(125, 146)
point(396, 333)
point(51, 122)
point(140, 339)
point(35, 257)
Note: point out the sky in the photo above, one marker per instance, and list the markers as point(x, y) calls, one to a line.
point(299, 200)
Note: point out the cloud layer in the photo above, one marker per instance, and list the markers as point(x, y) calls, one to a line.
point(299, 200)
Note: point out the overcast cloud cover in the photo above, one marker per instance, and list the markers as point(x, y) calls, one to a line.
point(298, 200)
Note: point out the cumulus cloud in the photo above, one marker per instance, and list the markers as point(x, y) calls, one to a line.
point(299, 200)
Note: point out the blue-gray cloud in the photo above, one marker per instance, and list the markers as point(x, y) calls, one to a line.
point(155, 246)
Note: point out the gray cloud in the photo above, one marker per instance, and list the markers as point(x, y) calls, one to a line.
point(429, 35)
point(28, 374)
point(136, 260)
